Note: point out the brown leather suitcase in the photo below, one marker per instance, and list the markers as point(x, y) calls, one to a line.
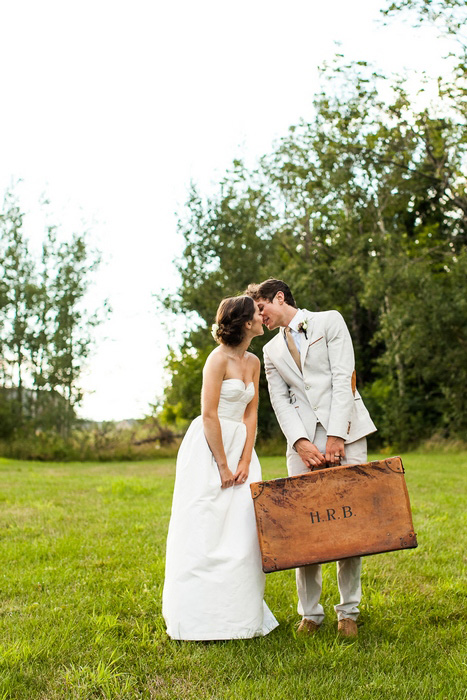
point(334, 513)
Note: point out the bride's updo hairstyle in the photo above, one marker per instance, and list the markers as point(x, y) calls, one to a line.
point(231, 317)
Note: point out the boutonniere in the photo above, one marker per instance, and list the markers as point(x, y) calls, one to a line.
point(303, 327)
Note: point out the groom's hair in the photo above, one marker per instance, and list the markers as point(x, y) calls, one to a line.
point(268, 290)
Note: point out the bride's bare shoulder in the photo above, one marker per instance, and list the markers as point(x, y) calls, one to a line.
point(216, 361)
point(254, 360)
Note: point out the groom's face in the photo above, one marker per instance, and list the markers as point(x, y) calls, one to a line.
point(271, 311)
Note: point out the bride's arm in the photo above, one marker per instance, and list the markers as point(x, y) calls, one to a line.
point(213, 375)
point(250, 419)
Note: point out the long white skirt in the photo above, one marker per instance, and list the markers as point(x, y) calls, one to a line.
point(214, 583)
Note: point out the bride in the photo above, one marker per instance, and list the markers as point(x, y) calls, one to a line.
point(214, 584)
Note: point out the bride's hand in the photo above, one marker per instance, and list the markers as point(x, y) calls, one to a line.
point(227, 478)
point(241, 475)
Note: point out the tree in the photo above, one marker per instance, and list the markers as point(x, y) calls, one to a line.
point(363, 209)
point(45, 329)
point(226, 247)
point(71, 338)
point(19, 292)
point(449, 16)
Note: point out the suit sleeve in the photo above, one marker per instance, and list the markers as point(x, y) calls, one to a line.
point(287, 416)
point(342, 365)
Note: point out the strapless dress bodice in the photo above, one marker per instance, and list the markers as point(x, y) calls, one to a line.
point(234, 398)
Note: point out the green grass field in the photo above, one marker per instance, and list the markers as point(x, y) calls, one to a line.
point(82, 552)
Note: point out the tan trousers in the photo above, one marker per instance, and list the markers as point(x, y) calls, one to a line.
point(309, 578)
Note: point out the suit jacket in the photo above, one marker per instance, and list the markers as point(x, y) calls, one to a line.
point(322, 392)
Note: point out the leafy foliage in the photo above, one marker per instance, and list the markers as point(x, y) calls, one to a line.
point(45, 328)
point(363, 209)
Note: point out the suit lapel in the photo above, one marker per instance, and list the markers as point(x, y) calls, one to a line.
point(306, 342)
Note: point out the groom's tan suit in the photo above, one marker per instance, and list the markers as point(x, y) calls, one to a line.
point(317, 401)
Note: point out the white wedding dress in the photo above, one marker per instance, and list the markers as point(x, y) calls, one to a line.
point(214, 583)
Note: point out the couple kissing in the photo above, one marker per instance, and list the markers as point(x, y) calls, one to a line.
point(214, 583)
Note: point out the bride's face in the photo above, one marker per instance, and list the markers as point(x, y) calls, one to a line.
point(257, 322)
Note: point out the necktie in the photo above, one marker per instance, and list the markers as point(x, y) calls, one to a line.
point(292, 347)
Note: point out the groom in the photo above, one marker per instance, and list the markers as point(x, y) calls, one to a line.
point(310, 370)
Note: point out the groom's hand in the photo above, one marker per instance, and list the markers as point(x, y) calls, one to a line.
point(335, 450)
point(309, 453)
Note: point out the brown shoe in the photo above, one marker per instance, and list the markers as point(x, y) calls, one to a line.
point(307, 627)
point(347, 627)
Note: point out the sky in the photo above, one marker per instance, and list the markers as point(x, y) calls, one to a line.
point(111, 108)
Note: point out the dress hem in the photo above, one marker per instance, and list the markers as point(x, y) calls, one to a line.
point(221, 637)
